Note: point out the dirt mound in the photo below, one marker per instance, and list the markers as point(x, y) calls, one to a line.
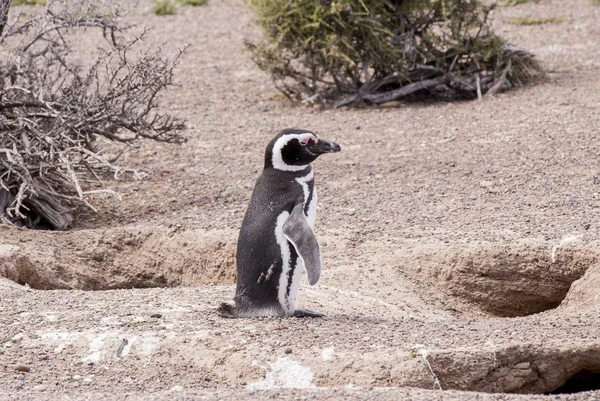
point(504, 280)
point(525, 368)
point(584, 292)
point(119, 258)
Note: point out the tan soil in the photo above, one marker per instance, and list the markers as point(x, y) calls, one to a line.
point(451, 234)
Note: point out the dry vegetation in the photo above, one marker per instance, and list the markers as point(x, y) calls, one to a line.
point(352, 51)
point(55, 112)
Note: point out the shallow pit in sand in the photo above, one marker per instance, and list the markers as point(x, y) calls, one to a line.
point(522, 369)
point(503, 280)
point(120, 258)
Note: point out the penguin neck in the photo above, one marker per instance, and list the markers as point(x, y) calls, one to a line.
point(296, 174)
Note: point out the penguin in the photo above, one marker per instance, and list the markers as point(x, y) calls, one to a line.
point(276, 241)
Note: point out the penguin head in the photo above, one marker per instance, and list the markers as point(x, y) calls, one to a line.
point(293, 149)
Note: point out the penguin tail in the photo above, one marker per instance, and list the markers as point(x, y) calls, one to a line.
point(227, 310)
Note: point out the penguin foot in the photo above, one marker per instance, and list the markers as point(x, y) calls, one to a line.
point(227, 310)
point(306, 313)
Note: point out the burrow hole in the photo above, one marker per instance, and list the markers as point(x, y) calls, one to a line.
point(584, 380)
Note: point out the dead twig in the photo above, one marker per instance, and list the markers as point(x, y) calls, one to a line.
point(56, 114)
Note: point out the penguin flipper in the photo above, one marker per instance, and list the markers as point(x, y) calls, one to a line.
point(299, 233)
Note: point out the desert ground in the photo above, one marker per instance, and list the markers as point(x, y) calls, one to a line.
point(460, 241)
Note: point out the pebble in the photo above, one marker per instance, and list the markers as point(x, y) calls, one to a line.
point(156, 315)
point(21, 368)
point(288, 350)
point(40, 387)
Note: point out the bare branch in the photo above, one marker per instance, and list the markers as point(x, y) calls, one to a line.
point(54, 111)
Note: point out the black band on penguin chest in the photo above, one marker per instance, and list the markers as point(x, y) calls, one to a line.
point(293, 262)
point(311, 190)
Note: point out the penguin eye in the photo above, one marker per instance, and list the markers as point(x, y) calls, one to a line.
point(307, 140)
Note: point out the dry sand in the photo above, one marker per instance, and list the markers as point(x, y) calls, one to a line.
point(461, 242)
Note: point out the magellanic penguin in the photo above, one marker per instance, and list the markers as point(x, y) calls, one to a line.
point(277, 241)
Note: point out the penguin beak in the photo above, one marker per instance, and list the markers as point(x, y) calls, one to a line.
point(323, 147)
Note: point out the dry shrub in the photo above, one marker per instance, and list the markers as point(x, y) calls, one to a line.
point(56, 112)
point(353, 51)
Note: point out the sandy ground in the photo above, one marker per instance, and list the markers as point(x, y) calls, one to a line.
point(461, 242)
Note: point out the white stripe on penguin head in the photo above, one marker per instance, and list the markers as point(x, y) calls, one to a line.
point(278, 146)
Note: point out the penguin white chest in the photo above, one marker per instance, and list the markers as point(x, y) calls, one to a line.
point(292, 268)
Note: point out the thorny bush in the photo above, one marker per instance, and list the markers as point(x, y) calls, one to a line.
point(57, 112)
point(353, 51)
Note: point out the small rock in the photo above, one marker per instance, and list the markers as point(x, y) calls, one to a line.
point(156, 315)
point(40, 387)
point(19, 367)
point(486, 184)
point(522, 365)
point(288, 350)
